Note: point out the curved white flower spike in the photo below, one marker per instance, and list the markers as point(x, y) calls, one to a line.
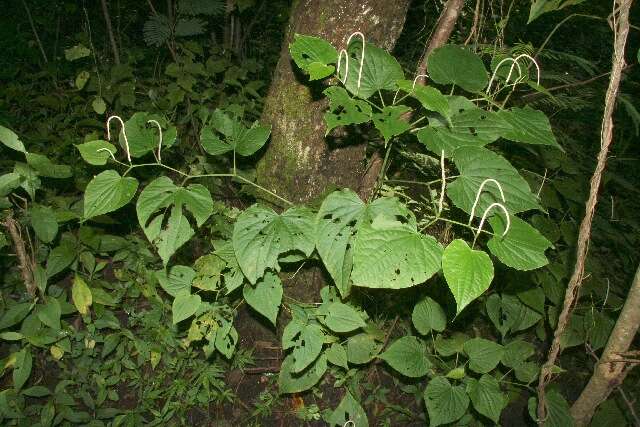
point(413, 86)
point(530, 58)
point(444, 183)
point(155, 122)
point(495, 72)
point(346, 65)
point(124, 134)
point(349, 423)
point(484, 216)
point(108, 151)
point(475, 203)
point(358, 33)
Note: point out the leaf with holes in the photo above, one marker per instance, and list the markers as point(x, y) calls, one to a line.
point(261, 236)
point(162, 195)
point(337, 222)
point(528, 126)
point(451, 64)
point(428, 315)
point(348, 410)
point(468, 272)
point(265, 296)
point(476, 164)
point(306, 339)
point(344, 110)
point(96, 152)
point(380, 70)
point(313, 55)
point(409, 356)
point(486, 397)
point(108, 192)
point(390, 122)
point(391, 255)
point(484, 355)
point(445, 403)
point(522, 248)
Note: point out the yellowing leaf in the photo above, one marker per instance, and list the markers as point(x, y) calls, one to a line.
point(81, 295)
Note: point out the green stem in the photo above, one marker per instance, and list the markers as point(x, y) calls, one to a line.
point(573, 15)
point(383, 169)
point(188, 177)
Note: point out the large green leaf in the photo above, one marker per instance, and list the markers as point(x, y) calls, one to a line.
point(344, 110)
point(477, 164)
point(306, 339)
point(11, 140)
point(177, 281)
point(529, 126)
point(430, 97)
point(261, 236)
point(362, 348)
point(291, 382)
point(108, 192)
point(141, 137)
point(60, 257)
point(313, 55)
point(451, 64)
point(9, 182)
point(342, 318)
point(392, 255)
point(43, 221)
point(428, 315)
point(167, 235)
point(46, 167)
point(22, 367)
point(265, 296)
point(521, 248)
point(391, 121)
point(409, 356)
point(96, 152)
point(473, 127)
point(468, 272)
point(244, 140)
point(484, 355)
point(486, 397)
point(445, 403)
point(348, 410)
point(184, 306)
point(380, 70)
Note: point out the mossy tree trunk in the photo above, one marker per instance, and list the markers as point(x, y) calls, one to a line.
point(300, 164)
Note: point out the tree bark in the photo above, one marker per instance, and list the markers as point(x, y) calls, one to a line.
point(611, 370)
point(300, 164)
point(24, 261)
point(112, 39)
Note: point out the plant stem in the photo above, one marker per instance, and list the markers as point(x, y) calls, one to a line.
point(35, 32)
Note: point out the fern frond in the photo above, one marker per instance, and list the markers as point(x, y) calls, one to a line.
point(156, 30)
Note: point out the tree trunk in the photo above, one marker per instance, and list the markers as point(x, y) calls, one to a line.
point(441, 34)
point(300, 164)
point(112, 39)
point(612, 367)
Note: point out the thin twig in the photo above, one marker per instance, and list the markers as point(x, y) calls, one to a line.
point(35, 32)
